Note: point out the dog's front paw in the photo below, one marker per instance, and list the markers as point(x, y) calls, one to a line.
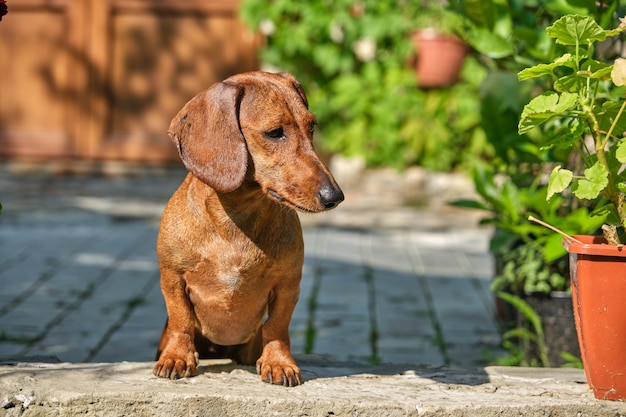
point(176, 366)
point(278, 368)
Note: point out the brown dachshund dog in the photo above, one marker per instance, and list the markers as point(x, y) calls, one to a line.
point(230, 246)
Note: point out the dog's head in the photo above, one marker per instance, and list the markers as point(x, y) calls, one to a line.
point(261, 119)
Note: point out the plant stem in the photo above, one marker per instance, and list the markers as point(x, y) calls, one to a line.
point(610, 192)
point(612, 128)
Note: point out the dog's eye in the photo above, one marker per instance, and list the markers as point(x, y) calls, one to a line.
point(275, 134)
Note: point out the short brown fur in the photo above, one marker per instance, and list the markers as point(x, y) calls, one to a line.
point(230, 246)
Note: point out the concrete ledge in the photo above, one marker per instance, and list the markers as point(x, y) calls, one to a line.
point(331, 389)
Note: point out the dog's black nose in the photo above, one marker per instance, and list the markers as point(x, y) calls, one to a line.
point(330, 196)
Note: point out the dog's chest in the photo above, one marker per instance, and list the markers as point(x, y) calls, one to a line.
point(240, 269)
point(246, 258)
point(237, 261)
point(235, 291)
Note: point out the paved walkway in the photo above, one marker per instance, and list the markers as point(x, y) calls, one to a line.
point(383, 280)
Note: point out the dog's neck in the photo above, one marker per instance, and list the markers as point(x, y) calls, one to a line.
point(247, 208)
point(248, 200)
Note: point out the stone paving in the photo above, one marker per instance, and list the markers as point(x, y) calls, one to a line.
point(331, 389)
point(383, 281)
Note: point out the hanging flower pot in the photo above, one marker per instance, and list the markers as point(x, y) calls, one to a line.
point(439, 58)
point(598, 274)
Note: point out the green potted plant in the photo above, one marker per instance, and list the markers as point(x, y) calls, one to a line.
point(508, 190)
point(439, 44)
point(531, 276)
point(583, 111)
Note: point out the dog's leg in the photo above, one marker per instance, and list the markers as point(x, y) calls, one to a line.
point(276, 365)
point(163, 341)
point(178, 357)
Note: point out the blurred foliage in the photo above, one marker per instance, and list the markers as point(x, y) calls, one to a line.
point(526, 344)
point(354, 59)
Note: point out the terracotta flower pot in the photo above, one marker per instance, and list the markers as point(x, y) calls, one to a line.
point(439, 58)
point(598, 273)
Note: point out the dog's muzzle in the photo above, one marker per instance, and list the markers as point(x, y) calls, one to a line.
point(330, 196)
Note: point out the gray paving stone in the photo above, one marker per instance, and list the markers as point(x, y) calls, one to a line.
point(136, 333)
point(381, 281)
point(10, 349)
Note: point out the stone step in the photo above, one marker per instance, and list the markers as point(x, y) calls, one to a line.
point(330, 389)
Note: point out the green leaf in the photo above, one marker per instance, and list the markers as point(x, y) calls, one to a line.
point(620, 153)
point(587, 4)
point(567, 84)
point(559, 180)
point(533, 318)
point(520, 333)
point(576, 30)
point(596, 70)
point(511, 203)
point(540, 70)
point(482, 13)
point(572, 361)
point(472, 204)
point(606, 117)
point(614, 32)
point(490, 44)
point(566, 136)
point(596, 180)
point(485, 185)
point(543, 107)
point(553, 248)
point(588, 69)
point(524, 308)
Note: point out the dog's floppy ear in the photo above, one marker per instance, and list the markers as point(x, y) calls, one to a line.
point(209, 140)
point(296, 86)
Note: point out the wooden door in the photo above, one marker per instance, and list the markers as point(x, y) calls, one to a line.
point(101, 79)
point(40, 77)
